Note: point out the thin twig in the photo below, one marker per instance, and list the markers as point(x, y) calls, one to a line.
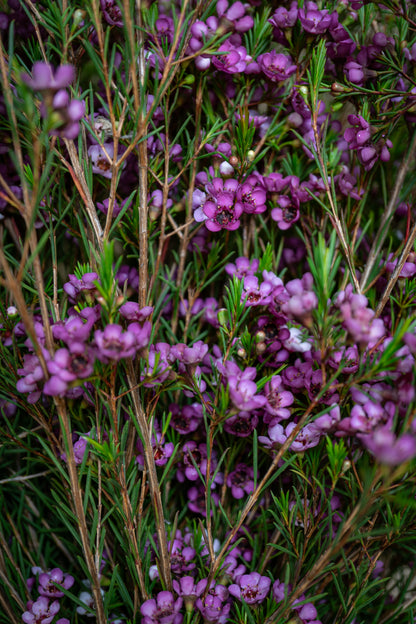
point(388, 213)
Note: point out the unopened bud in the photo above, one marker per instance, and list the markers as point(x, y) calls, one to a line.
point(242, 353)
point(346, 465)
point(260, 336)
point(234, 161)
point(260, 348)
point(78, 16)
point(251, 155)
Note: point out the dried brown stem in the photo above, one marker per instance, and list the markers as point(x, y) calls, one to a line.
point(79, 511)
point(156, 498)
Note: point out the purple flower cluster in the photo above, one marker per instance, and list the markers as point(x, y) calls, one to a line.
point(63, 114)
point(359, 138)
point(45, 608)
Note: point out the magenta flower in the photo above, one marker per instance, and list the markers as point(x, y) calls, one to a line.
point(232, 59)
point(252, 588)
point(253, 198)
point(49, 580)
point(45, 78)
point(164, 610)
point(389, 449)
point(278, 399)
point(221, 210)
point(189, 590)
point(40, 612)
point(287, 212)
point(276, 66)
point(32, 375)
point(212, 607)
point(112, 12)
point(241, 481)
point(242, 424)
point(114, 344)
point(313, 20)
point(254, 294)
point(68, 366)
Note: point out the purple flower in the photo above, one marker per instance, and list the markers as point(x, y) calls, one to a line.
point(67, 366)
point(112, 12)
point(40, 612)
point(241, 481)
point(186, 419)
point(278, 399)
point(308, 437)
point(389, 449)
point(276, 66)
point(164, 610)
point(253, 198)
point(231, 59)
point(287, 212)
point(85, 284)
point(31, 374)
point(157, 367)
point(102, 158)
point(73, 329)
point(49, 580)
point(359, 138)
point(212, 607)
point(276, 439)
point(221, 210)
point(242, 424)
point(252, 588)
point(189, 590)
point(235, 15)
point(243, 394)
point(242, 267)
point(196, 500)
point(313, 20)
point(284, 18)
point(114, 344)
point(254, 294)
point(45, 78)
point(162, 451)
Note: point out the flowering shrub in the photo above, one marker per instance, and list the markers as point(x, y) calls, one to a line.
point(208, 312)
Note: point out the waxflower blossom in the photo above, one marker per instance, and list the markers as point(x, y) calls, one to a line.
point(57, 105)
point(252, 588)
point(49, 580)
point(278, 399)
point(67, 366)
point(241, 481)
point(221, 210)
point(276, 66)
point(359, 138)
point(242, 424)
point(389, 449)
point(41, 611)
point(45, 78)
point(313, 20)
point(233, 59)
point(287, 211)
point(32, 374)
point(112, 12)
point(114, 344)
point(213, 607)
